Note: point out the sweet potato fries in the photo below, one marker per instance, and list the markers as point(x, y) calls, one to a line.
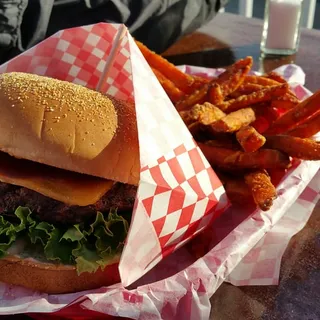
point(249, 127)
point(250, 139)
point(263, 191)
point(234, 121)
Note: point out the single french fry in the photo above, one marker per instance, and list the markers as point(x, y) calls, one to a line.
point(307, 128)
point(174, 93)
point(198, 82)
point(234, 76)
point(234, 121)
point(263, 191)
point(231, 159)
point(263, 95)
point(305, 149)
point(204, 113)
point(210, 114)
point(245, 89)
point(285, 102)
point(275, 76)
point(268, 80)
point(182, 80)
point(197, 97)
point(215, 94)
point(298, 114)
point(263, 81)
point(249, 139)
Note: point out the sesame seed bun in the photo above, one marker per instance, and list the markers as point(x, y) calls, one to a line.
point(68, 126)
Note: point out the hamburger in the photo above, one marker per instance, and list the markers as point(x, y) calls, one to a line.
point(69, 170)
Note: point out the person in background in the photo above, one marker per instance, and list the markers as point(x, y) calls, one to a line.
point(156, 23)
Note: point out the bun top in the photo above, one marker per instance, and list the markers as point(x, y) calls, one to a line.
point(68, 126)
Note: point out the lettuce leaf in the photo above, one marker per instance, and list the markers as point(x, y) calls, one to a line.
point(9, 231)
point(39, 232)
point(87, 246)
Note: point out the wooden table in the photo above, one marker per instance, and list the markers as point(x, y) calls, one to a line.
point(223, 40)
point(219, 43)
point(229, 37)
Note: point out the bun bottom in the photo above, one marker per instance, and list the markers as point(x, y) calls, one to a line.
point(54, 279)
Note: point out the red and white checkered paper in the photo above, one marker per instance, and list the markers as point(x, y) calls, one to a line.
point(179, 193)
point(180, 286)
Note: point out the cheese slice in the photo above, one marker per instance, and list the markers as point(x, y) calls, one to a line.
point(68, 187)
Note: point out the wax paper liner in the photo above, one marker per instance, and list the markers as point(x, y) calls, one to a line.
point(179, 193)
point(180, 286)
point(261, 266)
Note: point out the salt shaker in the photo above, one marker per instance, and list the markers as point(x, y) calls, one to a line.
point(281, 29)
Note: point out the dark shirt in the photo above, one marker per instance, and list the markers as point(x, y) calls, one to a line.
point(157, 23)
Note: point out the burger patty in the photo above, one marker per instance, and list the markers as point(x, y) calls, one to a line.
point(120, 196)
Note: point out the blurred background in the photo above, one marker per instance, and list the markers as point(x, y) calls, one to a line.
point(311, 16)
